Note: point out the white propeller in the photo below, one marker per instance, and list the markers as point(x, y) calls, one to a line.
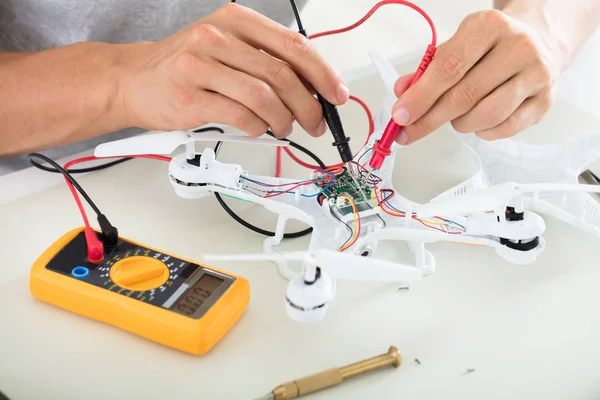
point(161, 142)
point(342, 266)
point(494, 197)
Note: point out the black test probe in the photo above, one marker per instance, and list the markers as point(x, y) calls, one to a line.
point(330, 112)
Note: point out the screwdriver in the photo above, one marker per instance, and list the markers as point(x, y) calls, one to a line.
point(332, 377)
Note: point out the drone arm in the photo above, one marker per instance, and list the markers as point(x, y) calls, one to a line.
point(195, 177)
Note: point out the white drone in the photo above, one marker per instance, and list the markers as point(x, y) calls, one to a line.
point(490, 209)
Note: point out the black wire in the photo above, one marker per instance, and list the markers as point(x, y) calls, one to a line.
point(302, 149)
point(67, 175)
point(364, 154)
point(80, 170)
point(297, 16)
point(209, 129)
point(254, 228)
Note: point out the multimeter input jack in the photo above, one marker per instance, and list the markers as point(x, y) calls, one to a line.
point(80, 272)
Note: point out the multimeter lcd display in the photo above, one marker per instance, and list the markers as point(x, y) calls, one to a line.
point(195, 296)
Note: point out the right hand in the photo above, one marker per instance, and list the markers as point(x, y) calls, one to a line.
point(214, 71)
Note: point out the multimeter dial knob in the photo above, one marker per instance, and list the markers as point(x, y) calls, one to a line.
point(139, 273)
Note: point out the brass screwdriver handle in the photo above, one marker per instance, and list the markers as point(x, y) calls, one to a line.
point(335, 376)
point(391, 358)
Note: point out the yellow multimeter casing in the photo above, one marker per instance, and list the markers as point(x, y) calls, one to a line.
point(155, 295)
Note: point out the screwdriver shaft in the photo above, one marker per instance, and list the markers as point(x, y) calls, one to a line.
point(268, 396)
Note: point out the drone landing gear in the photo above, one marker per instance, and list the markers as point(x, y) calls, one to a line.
point(272, 241)
point(423, 258)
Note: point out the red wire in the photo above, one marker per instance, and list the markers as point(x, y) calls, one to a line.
point(95, 248)
point(371, 130)
point(278, 163)
point(91, 158)
point(372, 11)
point(347, 29)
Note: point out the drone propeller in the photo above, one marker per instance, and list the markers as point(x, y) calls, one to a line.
point(494, 197)
point(161, 142)
point(341, 266)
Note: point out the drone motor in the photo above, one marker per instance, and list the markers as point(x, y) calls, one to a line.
point(191, 181)
point(309, 301)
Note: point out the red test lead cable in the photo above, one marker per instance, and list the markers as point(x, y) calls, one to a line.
point(95, 247)
point(382, 148)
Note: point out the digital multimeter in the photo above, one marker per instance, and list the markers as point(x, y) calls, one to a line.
point(163, 298)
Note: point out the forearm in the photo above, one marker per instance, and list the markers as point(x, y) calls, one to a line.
point(58, 96)
point(568, 24)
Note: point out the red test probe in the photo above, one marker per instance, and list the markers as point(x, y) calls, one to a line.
point(382, 148)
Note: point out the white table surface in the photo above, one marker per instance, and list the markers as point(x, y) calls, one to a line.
point(528, 331)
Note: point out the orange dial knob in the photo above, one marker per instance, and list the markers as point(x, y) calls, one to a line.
point(139, 273)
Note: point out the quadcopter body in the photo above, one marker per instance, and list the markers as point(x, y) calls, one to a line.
point(352, 210)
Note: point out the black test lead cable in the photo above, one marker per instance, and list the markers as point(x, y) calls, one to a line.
point(330, 111)
point(332, 117)
point(254, 228)
point(110, 234)
point(80, 170)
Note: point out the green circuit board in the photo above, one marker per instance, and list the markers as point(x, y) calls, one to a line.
point(344, 185)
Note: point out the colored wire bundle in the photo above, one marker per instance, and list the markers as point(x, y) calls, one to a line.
point(279, 189)
point(371, 180)
point(384, 204)
point(356, 225)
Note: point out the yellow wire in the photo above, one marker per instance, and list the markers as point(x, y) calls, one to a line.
point(396, 214)
point(355, 226)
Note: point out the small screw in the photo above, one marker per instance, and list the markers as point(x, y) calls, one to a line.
point(470, 370)
point(403, 288)
point(417, 361)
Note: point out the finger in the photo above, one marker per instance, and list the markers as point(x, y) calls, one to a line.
point(256, 95)
point(475, 37)
point(308, 86)
point(527, 114)
point(499, 105)
point(491, 72)
point(402, 84)
point(211, 106)
point(278, 75)
point(289, 46)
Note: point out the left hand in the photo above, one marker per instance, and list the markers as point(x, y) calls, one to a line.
point(496, 76)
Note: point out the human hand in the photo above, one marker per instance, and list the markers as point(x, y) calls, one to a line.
point(495, 76)
point(214, 71)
